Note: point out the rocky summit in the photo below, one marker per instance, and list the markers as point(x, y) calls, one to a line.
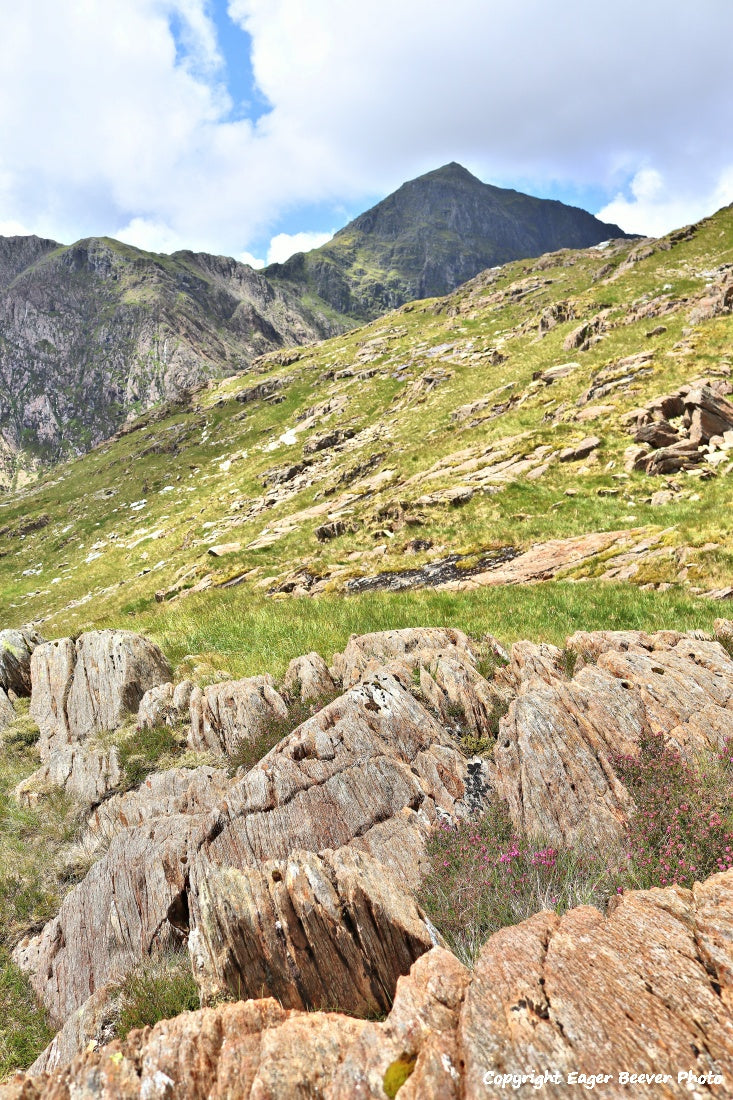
point(98, 331)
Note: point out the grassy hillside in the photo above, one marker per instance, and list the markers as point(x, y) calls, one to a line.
point(426, 434)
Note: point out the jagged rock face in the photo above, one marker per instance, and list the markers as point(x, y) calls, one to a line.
point(81, 688)
point(555, 749)
point(410, 647)
point(16, 647)
point(97, 330)
point(315, 931)
point(236, 710)
point(647, 988)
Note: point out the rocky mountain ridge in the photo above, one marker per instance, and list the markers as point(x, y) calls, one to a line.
point(294, 878)
point(92, 333)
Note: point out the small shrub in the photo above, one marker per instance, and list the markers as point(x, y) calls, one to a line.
point(159, 989)
point(682, 829)
point(568, 661)
point(726, 640)
point(25, 1029)
point(484, 876)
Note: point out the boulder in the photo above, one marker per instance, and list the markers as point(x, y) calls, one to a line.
point(156, 707)
point(580, 450)
point(315, 931)
point(710, 413)
point(86, 774)
point(659, 433)
point(82, 688)
point(235, 710)
point(16, 647)
point(308, 679)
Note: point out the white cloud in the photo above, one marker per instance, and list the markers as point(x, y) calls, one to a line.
point(106, 126)
point(655, 208)
point(253, 261)
point(285, 245)
point(152, 236)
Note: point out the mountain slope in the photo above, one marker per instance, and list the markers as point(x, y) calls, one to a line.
point(94, 332)
point(432, 446)
point(430, 236)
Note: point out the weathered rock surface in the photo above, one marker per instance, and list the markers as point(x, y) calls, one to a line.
point(308, 679)
point(7, 714)
point(556, 746)
point(649, 986)
point(359, 762)
point(160, 795)
point(16, 647)
point(411, 647)
point(84, 687)
point(84, 773)
point(123, 910)
point(235, 710)
point(314, 931)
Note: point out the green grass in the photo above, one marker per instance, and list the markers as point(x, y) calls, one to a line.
point(246, 636)
point(32, 885)
point(159, 989)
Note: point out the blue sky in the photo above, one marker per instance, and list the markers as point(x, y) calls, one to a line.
point(256, 127)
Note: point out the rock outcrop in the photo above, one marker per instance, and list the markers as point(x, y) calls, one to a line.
point(224, 714)
point(314, 931)
point(295, 878)
point(702, 414)
point(16, 648)
point(85, 687)
point(646, 989)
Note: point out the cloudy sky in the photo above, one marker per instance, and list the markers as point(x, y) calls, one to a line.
point(256, 127)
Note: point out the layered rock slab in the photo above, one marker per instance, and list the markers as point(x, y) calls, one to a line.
point(313, 931)
point(556, 750)
point(648, 988)
point(83, 688)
